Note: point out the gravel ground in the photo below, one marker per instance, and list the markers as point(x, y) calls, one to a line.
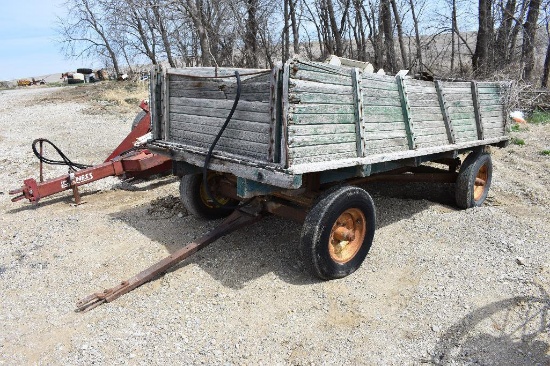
point(440, 285)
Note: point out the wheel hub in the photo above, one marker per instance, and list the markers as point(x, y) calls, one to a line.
point(481, 182)
point(347, 235)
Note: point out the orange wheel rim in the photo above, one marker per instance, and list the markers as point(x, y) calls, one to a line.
point(480, 183)
point(347, 235)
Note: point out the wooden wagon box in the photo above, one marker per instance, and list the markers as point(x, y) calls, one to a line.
point(308, 117)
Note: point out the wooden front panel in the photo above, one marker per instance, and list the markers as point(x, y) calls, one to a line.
point(198, 107)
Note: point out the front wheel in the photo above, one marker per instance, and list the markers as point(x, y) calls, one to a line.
point(338, 233)
point(474, 180)
point(195, 199)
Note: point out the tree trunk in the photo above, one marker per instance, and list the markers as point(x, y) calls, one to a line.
point(515, 31)
point(336, 35)
point(400, 38)
point(529, 34)
point(546, 68)
point(163, 33)
point(250, 40)
point(385, 16)
point(417, 37)
point(502, 46)
point(454, 32)
point(286, 31)
point(481, 60)
point(294, 24)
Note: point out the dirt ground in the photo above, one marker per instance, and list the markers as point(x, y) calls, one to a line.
point(440, 285)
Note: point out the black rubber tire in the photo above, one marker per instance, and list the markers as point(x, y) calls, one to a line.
point(74, 81)
point(85, 71)
point(138, 119)
point(192, 199)
point(314, 241)
point(465, 183)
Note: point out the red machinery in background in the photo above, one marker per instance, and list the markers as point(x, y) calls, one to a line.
point(126, 160)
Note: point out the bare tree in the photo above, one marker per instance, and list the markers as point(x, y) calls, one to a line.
point(400, 38)
point(87, 30)
point(529, 34)
point(386, 20)
point(481, 60)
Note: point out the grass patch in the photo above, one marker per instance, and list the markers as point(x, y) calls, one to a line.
point(518, 141)
point(515, 128)
point(539, 117)
point(545, 152)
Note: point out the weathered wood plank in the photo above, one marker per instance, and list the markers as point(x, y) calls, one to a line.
point(202, 140)
point(423, 124)
point(309, 119)
point(381, 101)
point(321, 109)
point(261, 117)
point(244, 136)
point(489, 90)
point(321, 77)
point(418, 116)
point(215, 122)
point(464, 122)
point(393, 145)
point(382, 118)
point(262, 107)
point(375, 111)
point(385, 126)
point(312, 140)
point(327, 149)
point(251, 97)
point(383, 135)
point(427, 110)
point(322, 158)
point(202, 94)
point(465, 128)
point(190, 72)
point(421, 89)
point(318, 67)
point(379, 93)
point(369, 84)
point(321, 98)
point(294, 130)
point(493, 120)
point(300, 86)
point(440, 130)
point(424, 100)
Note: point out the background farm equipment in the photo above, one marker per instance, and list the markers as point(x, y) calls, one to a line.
point(126, 160)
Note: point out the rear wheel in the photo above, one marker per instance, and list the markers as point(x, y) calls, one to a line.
point(474, 180)
point(338, 233)
point(196, 200)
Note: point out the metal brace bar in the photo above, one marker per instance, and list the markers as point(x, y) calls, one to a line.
point(238, 219)
point(445, 112)
point(475, 99)
point(406, 112)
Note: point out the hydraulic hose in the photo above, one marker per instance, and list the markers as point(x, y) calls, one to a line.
point(213, 145)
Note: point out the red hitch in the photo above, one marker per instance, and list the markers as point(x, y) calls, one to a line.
point(138, 163)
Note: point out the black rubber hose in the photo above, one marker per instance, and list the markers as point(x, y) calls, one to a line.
point(218, 136)
point(66, 161)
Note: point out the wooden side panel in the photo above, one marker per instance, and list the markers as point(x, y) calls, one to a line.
point(385, 129)
point(198, 108)
point(460, 106)
point(492, 108)
point(321, 119)
point(429, 125)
